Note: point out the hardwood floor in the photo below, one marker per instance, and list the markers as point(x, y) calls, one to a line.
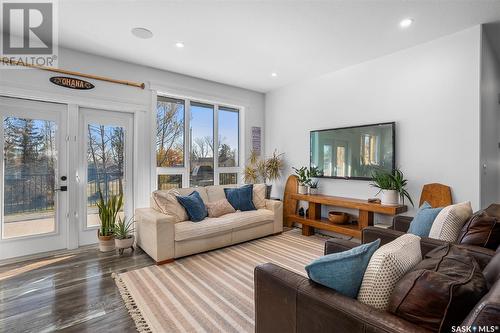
point(70, 291)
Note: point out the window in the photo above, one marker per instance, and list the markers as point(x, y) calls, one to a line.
point(228, 137)
point(169, 132)
point(201, 131)
point(206, 153)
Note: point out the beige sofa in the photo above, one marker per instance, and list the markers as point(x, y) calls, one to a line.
point(164, 232)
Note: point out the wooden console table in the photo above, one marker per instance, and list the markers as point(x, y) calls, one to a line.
point(314, 220)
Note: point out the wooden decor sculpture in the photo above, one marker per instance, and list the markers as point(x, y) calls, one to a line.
point(290, 205)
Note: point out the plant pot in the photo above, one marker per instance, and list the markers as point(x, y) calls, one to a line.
point(302, 189)
point(389, 197)
point(124, 243)
point(268, 191)
point(106, 243)
point(313, 190)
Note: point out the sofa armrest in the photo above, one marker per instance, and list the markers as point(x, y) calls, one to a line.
point(288, 302)
point(155, 233)
point(334, 245)
point(401, 223)
point(276, 207)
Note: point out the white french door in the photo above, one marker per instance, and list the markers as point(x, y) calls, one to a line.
point(55, 161)
point(33, 177)
point(104, 166)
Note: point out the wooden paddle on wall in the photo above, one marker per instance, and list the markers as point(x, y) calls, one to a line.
point(290, 206)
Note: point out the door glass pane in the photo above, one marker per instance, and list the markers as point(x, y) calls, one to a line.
point(167, 182)
point(228, 178)
point(30, 164)
point(202, 145)
point(105, 166)
point(228, 137)
point(169, 132)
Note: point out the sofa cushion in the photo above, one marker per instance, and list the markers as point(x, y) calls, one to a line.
point(213, 226)
point(167, 203)
point(216, 192)
point(422, 222)
point(219, 208)
point(241, 198)
point(343, 271)
point(482, 230)
point(387, 265)
point(449, 222)
point(194, 205)
point(259, 196)
point(440, 291)
point(487, 310)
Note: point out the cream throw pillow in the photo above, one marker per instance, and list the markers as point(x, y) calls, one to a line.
point(449, 222)
point(219, 208)
point(168, 204)
point(259, 196)
point(387, 265)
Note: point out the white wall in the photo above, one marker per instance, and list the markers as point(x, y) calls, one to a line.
point(490, 122)
point(35, 84)
point(431, 91)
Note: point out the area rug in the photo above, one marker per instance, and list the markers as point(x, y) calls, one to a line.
point(212, 291)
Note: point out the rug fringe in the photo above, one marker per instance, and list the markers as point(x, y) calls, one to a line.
point(140, 323)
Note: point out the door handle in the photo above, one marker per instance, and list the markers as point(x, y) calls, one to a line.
point(63, 188)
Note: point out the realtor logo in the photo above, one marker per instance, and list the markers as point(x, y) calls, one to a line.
point(29, 32)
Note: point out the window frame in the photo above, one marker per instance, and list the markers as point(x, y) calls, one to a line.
point(185, 170)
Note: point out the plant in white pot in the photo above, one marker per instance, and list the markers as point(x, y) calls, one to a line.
point(392, 186)
point(313, 186)
point(303, 179)
point(124, 234)
point(108, 210)
point(313, 172)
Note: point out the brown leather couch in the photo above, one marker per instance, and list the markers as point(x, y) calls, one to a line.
point(288, 302)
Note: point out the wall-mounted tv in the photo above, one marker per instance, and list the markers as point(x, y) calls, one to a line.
point(354, 152)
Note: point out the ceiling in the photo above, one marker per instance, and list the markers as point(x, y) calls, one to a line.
point(242, 42)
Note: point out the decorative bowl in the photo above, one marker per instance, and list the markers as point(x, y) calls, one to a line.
point(338, 217)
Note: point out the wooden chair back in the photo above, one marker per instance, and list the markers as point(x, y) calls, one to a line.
point(437, 195)
point(290, 206)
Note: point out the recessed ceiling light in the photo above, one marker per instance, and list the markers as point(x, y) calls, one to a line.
point(274, 74)
point(405, 23)
point(142, 33)
point(179, 45)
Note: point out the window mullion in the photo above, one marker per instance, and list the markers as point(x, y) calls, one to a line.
point(216, 144)
point(187, 145)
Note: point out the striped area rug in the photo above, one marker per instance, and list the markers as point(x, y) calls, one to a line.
point(212, 291)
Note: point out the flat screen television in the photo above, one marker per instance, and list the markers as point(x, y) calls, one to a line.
point(354, 152)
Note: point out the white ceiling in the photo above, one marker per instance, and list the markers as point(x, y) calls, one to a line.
point(242, 42)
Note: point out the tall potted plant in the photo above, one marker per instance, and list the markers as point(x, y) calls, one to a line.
point(264, 170)
point(108, 210)
point(392, 186)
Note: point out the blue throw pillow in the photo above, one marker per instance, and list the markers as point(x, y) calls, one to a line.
point(422, 222)
point(241, 198)
point(343, 271)
point(194, 205)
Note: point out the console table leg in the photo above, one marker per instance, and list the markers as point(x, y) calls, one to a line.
point(365, 219)
point(307, 230)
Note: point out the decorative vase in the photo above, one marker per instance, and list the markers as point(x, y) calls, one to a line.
point(106, 243)
point(313, 190)
point(390, 197)
point(268, 191)
point(122, 244)
point(302, 189)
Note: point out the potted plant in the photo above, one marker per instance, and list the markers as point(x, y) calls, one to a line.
point(108, 210)
point(313, 186)
point(313, 172)
point(264, 170)
point(392, 186)
point(303, 179)
point(124, 234)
